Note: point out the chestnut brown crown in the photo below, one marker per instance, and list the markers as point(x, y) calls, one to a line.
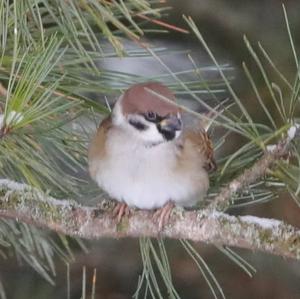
point(139, 99)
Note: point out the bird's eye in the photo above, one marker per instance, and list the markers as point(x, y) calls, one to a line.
point(151, 116)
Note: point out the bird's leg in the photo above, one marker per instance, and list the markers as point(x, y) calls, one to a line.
point(121, 209)
point(162, 215)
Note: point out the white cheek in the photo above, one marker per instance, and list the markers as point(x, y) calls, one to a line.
point(118, 118)
point(151, 135)
point(177, 134)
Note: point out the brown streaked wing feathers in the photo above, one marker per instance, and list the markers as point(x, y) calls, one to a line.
point(97, 146)
point(201, 140)
point(105, 124)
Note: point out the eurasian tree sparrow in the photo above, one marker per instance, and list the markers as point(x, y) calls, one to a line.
point(144, 156)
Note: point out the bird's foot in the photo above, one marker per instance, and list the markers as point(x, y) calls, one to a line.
point(120, 210)
point(163, 214)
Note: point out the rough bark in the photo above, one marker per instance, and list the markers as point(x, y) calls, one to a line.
point(210, 225)
point(23, 203)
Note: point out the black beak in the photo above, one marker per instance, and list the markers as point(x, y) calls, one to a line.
point(168, 126)
point(171, 123)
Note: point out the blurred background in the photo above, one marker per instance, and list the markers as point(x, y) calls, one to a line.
point(118, 262)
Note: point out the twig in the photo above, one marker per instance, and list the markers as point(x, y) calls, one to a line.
point(273, 153)
point(23, 203)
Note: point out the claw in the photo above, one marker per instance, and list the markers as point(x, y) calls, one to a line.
point(163, 214)
point(120, 210)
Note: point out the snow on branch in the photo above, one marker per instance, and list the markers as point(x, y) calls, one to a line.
point(24, 203)
point(272, 154)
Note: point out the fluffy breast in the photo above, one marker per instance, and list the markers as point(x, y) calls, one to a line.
point(147, 177)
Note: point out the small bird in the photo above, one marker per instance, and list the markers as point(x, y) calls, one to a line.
point(145, 155)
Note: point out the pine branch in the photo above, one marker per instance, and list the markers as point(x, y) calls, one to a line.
point(272, 154)
point(24, 203)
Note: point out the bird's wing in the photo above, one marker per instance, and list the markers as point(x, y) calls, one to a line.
point(97, 148)
point(203, 144)
point(194, 133)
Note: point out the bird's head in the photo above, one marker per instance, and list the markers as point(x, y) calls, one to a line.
point(146, 110)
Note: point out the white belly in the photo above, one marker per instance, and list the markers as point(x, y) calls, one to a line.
point(145, 177)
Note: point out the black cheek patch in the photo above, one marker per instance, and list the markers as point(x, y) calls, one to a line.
point(168, 135)
point(138, 125)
